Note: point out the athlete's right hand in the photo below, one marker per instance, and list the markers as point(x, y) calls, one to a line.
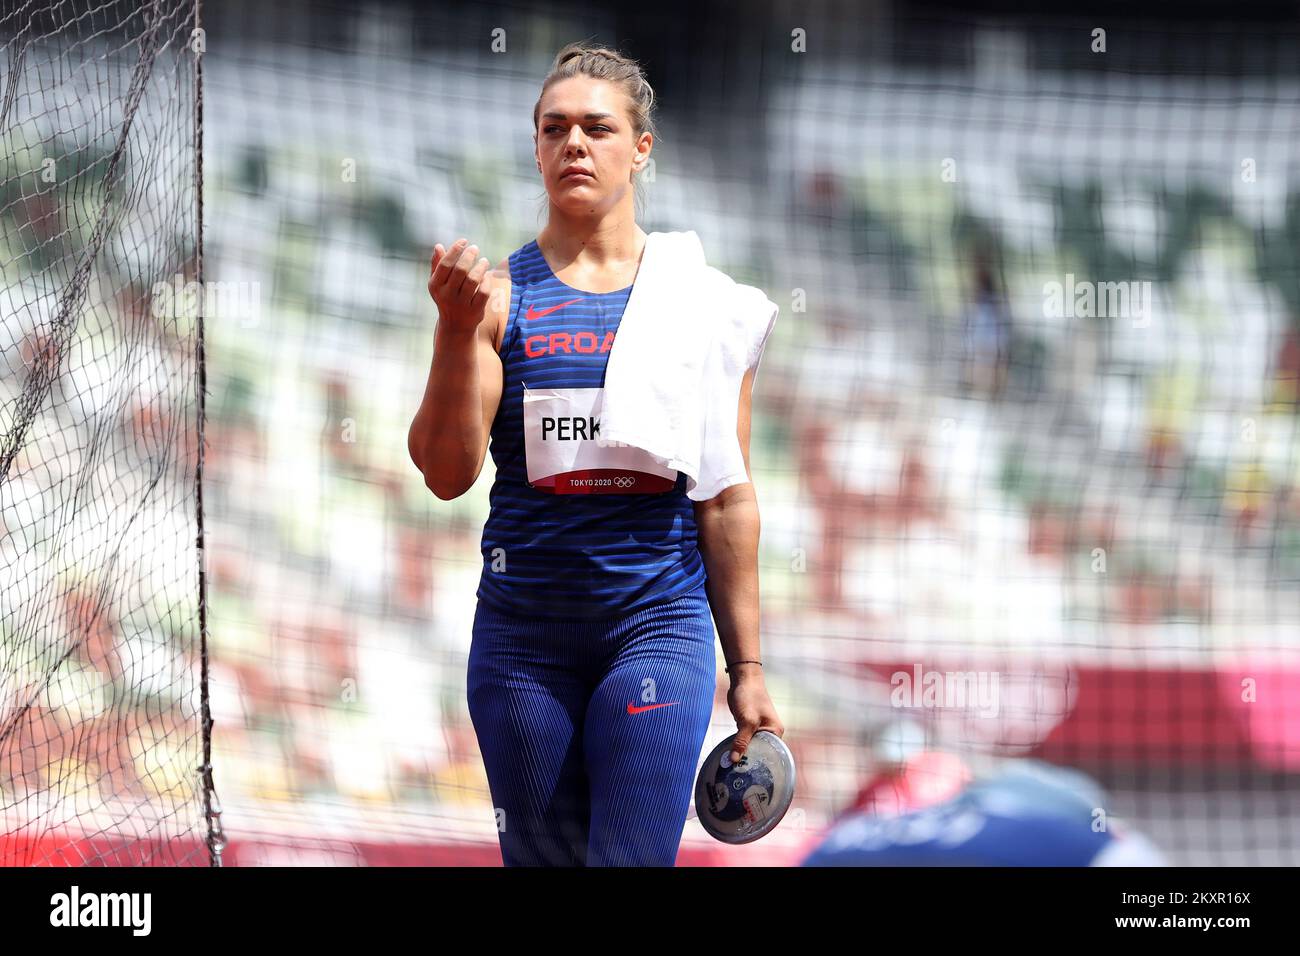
point(459, 285)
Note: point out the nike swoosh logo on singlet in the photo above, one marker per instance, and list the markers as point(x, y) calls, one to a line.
point(535, 314)
point(631, 709)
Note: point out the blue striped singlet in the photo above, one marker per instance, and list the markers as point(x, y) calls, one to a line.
point(595, 533)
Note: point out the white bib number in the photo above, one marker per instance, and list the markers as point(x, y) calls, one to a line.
point(560, 430)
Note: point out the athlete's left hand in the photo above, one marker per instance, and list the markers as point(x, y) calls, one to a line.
point(753, 710)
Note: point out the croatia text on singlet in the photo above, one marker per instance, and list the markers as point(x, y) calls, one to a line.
point(575, 530)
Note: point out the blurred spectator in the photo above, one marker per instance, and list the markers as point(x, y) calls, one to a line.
point(987, 329)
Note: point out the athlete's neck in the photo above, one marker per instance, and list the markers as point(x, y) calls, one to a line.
point(592, 248)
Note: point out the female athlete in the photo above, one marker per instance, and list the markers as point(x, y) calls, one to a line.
point(591, 672)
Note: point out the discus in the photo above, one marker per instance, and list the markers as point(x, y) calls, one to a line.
point(741, 802)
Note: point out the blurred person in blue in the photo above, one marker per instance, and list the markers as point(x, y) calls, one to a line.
point(987, 328)
point(1024, 813)
point(592, 669)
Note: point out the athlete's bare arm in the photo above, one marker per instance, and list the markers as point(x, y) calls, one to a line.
point(448, 438)
point(728, 531)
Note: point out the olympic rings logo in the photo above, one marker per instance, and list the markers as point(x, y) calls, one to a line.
point(624, 481)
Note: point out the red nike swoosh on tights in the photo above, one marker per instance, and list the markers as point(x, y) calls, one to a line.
point(631, 709)
point(535, 314)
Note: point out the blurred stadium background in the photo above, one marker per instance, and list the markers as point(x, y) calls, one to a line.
point(1094, 518)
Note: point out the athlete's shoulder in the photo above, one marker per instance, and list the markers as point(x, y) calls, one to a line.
point(499, 299)
point(524, 254)
point(743, 314)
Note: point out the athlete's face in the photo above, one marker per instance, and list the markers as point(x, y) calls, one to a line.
point(583, 122)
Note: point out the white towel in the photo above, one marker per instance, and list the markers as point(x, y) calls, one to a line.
point(672, 384)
